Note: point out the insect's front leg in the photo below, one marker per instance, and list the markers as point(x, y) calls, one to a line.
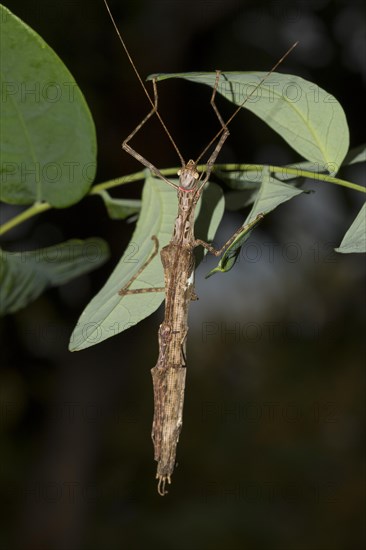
point(213, 104)
point(135, 154)
point(225, 134)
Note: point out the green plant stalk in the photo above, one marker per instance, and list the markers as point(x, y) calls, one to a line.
point(34, 210)
point(38, 208)
point(136, 176)
point(295, 171)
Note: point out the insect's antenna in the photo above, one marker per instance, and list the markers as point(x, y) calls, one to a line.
point(142, 83)
point(246, 99)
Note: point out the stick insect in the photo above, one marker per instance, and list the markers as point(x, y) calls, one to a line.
point(177, 257)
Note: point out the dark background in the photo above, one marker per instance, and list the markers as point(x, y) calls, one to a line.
point(271, 456)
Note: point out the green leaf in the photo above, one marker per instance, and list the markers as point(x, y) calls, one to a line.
point(119, 209)
point(242, 179)
point(25, 275)
point(48, 140)
point(311, 121)
point(272, 193)
point(108, 313)
point(355, 155)
point(236, 200)
point(355, 238)
point(246, 184)
point(229, 258)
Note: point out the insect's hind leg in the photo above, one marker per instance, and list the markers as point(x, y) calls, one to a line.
point(125, 290)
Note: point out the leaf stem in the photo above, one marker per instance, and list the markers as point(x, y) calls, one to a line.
point(39, 207)
point(95, 190)
point(297, 172)
point(33, 210)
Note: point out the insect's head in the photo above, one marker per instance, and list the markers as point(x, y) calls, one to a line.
point(188, 176)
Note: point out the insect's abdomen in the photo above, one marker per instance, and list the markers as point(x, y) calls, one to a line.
point(169, 374)
point(168, 418)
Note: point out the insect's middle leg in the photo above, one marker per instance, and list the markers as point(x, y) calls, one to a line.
point(243, 229)
point(125, 290)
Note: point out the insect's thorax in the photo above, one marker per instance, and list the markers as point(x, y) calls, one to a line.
point(184, 224)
